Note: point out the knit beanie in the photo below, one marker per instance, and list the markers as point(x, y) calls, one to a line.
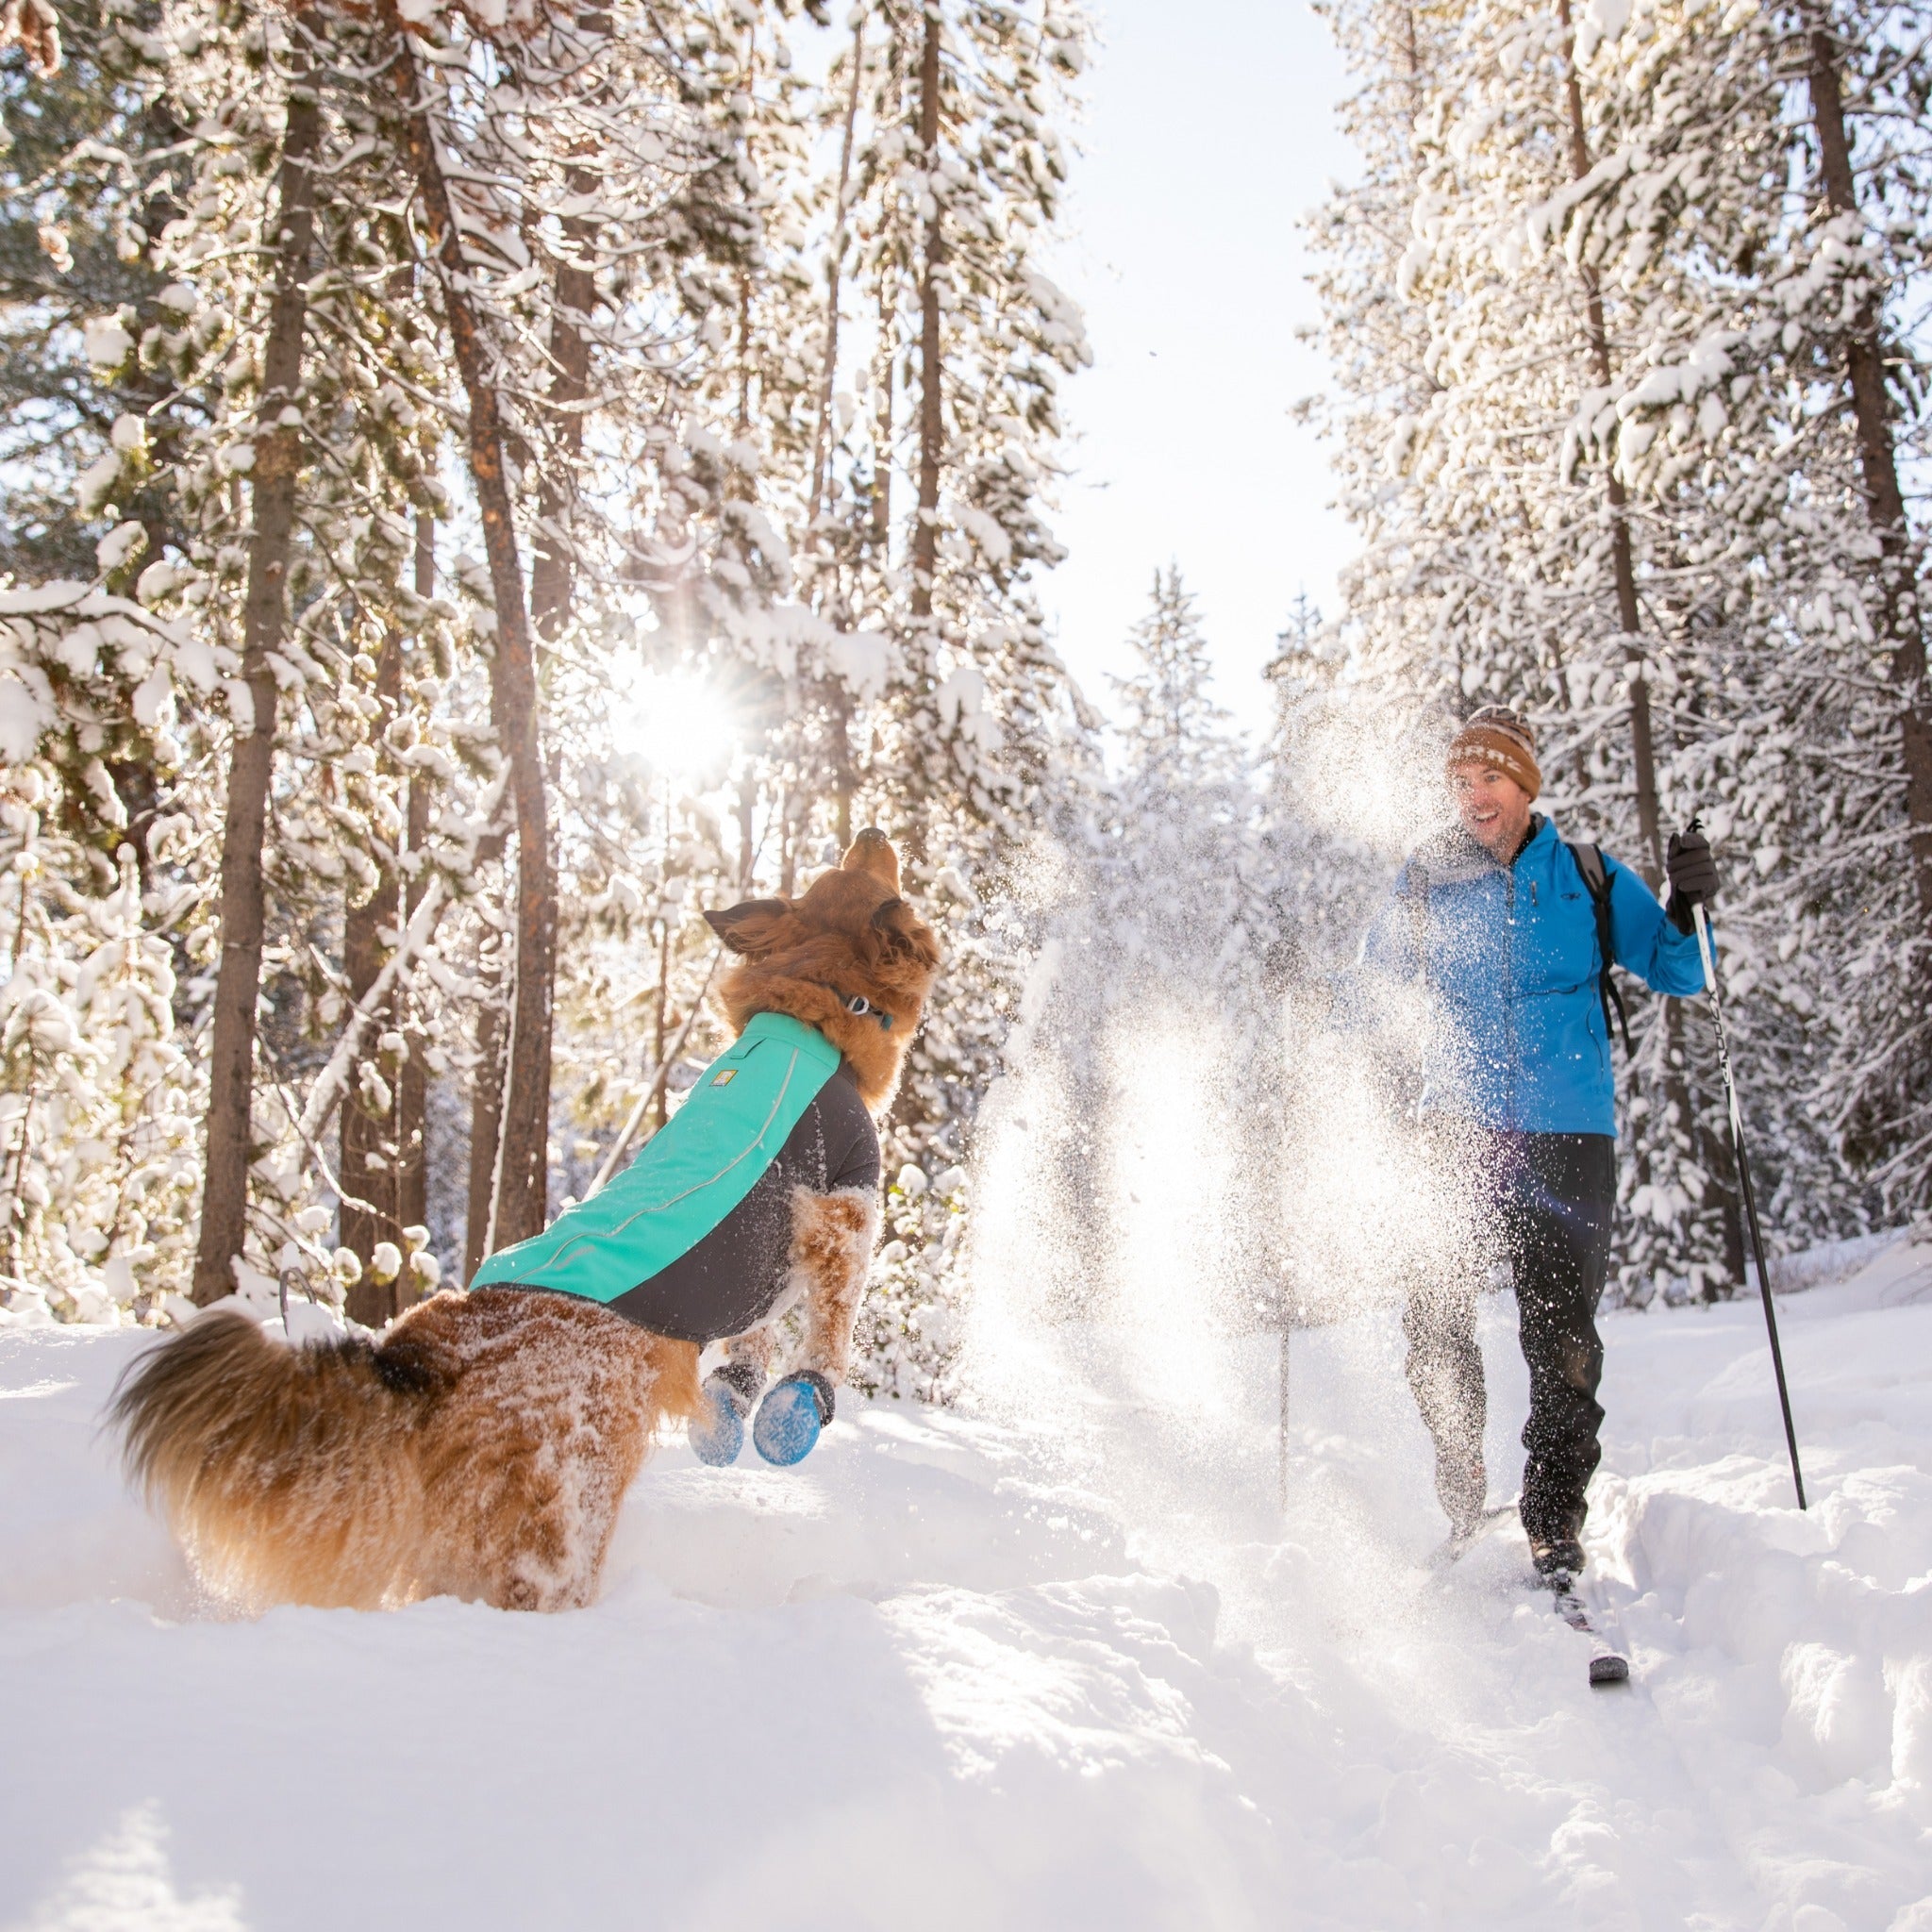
point(1497, 738)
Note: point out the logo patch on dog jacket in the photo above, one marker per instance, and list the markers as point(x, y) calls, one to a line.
point(690, 1175)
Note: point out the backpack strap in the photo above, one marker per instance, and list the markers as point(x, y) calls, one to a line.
point(1589, 862)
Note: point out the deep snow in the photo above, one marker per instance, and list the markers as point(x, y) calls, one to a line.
point(1076, 1671)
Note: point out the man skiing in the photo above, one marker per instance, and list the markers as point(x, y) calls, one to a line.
point(1511, 933)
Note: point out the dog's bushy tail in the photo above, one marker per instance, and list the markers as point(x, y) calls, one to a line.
point(287, 1472)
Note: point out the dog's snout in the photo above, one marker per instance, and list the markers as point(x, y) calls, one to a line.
point(871, 852)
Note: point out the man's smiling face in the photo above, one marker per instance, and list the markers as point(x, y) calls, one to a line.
point(1495, 808)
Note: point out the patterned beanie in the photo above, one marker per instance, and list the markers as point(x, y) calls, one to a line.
point(1497, 738)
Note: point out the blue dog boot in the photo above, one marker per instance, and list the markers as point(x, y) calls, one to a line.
point(790, 1417)
point(717, 1432)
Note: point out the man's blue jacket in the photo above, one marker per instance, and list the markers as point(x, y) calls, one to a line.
point(1517, 1039)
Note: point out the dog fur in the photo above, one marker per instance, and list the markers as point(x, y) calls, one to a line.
point(482, 1447)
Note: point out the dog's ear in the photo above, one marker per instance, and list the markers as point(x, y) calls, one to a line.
point(752, 928)
point(904, 932)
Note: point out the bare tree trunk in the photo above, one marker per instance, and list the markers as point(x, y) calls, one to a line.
point(523, 1197)
point(925, 533)
point(1622, 568)
point(1900, 616)
point(277, 456)
point(835, 263)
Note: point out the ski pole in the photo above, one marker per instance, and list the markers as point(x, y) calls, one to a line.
point(1723, 1061)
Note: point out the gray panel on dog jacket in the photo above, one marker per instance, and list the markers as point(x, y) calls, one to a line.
point(693, 1239)
point(734, 1278)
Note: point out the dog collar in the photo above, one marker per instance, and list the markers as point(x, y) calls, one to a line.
point(859, 1006)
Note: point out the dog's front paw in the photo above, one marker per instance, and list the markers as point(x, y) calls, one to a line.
point(790, 1417)
point(717, 1431)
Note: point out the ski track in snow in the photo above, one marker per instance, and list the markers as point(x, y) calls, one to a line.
point(1074, 1671)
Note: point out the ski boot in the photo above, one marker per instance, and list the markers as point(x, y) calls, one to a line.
point(1559, 1564)
point(717, 1431)
point(790, 1417)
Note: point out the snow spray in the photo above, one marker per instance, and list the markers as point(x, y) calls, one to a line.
point(1182, 1161)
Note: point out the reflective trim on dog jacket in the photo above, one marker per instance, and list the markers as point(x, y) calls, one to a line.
point(688, 1179)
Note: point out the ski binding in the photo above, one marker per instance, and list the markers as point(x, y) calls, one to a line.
point(1608, 1664)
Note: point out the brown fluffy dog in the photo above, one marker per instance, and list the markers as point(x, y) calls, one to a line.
point(482, 1447)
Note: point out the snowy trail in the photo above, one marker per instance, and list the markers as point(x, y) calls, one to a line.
point(977, 1673)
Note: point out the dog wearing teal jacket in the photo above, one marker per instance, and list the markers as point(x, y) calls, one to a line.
point(482, 1445)
point(762, 1192)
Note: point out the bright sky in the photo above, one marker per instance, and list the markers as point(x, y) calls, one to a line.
point(1210, 130)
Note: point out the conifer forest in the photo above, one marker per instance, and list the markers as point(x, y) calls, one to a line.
point(486, 481)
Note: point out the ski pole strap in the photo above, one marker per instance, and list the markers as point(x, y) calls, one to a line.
point(1590, 863)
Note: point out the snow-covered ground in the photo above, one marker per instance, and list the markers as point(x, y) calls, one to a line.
point(1074, 1670)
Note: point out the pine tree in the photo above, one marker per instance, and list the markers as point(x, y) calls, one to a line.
point(1566, 502)
point(1320, 875)
point(74, 224)
point(616, 240)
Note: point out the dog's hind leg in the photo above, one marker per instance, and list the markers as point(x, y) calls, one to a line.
point(527, 1456)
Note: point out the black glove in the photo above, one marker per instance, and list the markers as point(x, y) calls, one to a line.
point(1693, 875)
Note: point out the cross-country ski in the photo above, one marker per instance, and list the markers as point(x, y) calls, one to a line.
point(1608, 1664)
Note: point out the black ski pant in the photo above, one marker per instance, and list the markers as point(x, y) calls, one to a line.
point(1547, 1200)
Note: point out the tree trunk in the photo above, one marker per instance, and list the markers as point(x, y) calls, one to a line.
point(882, 437)
point(138, 787)
point(1643, 753)
point(925, 533)
point(552, 583)
point(553, 563)
point(1412, 67)
point(277, 456)
point(1900, 617)
point(412, 1092)
point(370, 1139)
point(662, 1030)
point(486, 1117)
point(839, 707)
point(834, 262)
point(523, 1196)
point(384, 1159)
point(788, 844)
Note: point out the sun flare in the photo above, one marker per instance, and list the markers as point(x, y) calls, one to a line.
point(678, 722)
